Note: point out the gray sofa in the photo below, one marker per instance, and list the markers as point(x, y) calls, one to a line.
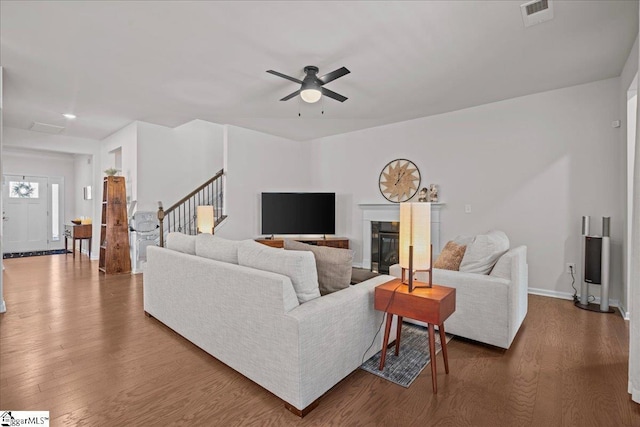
point(251, 320)
point(489, 308)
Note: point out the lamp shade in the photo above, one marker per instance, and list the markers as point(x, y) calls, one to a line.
point(310, 91)
point(415, 230)
point(205, 219)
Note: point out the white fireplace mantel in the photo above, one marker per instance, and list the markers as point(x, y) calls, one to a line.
point(390, 212)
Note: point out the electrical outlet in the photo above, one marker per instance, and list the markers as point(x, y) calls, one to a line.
point(467, 208)
point(570, 267)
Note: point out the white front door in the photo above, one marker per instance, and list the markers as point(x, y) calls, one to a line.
point(26, 206)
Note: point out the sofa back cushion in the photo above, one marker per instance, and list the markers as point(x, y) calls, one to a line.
point(482, 254)
point(502, 269)
point(181, 242)
point(299, 266)
point(333, 265)
point(217, 248)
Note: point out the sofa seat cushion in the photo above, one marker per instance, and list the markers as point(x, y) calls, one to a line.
point(217, 248)
point(333, 265)
point(181, 242)
point(482, 254)
point(450, 257)
point(299, 266)
point(359, 275)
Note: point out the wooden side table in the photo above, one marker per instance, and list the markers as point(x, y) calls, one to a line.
point(77, 232)
point(431, 305)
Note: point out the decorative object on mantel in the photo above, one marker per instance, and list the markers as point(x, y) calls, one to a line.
point(111, 171)
point(433, 193)
point(422, 196)
point(399, 180)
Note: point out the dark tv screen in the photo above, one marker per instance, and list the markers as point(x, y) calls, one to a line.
point(298, 213)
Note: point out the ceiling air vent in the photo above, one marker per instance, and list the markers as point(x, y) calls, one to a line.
point(536, 12)
point(45, 128)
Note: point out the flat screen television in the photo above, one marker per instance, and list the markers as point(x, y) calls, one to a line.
point(298, 213)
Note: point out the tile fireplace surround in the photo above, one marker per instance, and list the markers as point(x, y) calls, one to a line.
point(391, 212)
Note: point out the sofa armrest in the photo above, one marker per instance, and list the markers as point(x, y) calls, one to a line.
point(337, 334)
point(484, 309)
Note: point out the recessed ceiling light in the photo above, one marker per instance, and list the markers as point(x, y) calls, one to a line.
point(69, 115)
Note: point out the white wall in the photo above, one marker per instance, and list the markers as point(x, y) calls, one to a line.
point(173, 162)
point(48, 164)
point(256, 163)
point(83, 168)
point(531, 166)
point(3, 306)
point(124, 141)
point(629, 73)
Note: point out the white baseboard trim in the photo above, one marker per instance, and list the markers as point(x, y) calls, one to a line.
point(552, 294)
point(569, 296)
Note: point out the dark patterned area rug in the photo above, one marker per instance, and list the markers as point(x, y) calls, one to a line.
point(34, 253)
point(414, 356)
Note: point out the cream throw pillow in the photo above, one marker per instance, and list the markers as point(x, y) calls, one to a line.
point(333, 265)
point(299, 266)
point(484, 251)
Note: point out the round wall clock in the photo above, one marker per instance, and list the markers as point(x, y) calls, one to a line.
point(399, 180)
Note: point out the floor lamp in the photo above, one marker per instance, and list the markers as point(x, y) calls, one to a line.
point(415, 241)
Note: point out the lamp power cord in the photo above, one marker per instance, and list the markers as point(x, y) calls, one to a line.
point(590, 298)
point(381, 322)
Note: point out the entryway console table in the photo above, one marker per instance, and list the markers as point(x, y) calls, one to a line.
point(77, 232)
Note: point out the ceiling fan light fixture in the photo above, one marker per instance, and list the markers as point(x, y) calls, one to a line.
point(312, 87)
point(310, 95)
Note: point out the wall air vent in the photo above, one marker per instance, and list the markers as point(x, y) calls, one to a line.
point(46, 128)
point(536, 12)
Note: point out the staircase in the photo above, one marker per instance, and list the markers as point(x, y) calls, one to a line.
point(181, 217)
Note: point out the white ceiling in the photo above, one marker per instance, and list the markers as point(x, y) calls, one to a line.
point(170, 62)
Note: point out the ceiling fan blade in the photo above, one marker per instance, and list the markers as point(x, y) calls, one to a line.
point(284, 76)
point(332, 94)
point(291, 95)
point(334, 75)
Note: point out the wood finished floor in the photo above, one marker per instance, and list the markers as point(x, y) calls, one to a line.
point(77, 343)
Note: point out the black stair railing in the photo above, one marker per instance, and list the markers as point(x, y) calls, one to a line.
point(182, 217)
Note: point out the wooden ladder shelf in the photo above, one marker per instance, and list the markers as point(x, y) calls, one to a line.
point(115, 257)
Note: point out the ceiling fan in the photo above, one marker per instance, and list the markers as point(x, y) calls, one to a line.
point(312, 87)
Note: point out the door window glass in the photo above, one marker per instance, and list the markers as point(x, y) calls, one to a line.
point(23, 190)
point(55, 212)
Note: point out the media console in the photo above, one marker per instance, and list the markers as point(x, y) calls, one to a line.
point(333, 242)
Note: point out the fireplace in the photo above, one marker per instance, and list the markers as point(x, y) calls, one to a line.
point(390, 212)
point(385, 245)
